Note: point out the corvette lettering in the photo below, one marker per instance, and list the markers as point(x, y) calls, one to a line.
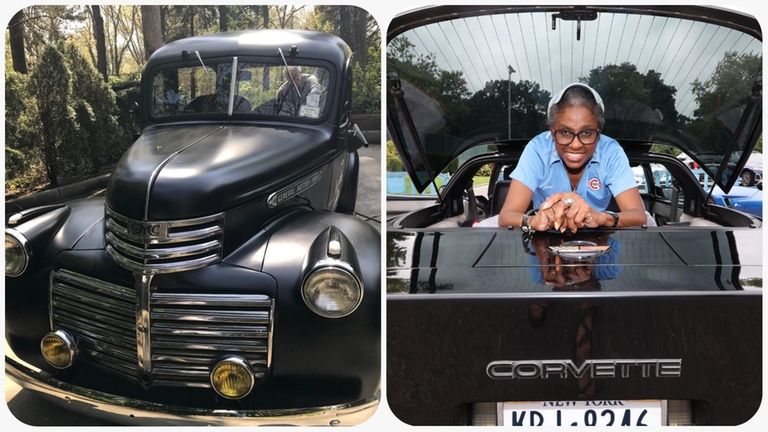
point(597, 368)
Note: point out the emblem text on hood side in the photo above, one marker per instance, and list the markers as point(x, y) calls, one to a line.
point(602, 368)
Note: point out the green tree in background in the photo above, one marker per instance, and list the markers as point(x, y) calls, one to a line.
point(95, 113)
point(50, 85)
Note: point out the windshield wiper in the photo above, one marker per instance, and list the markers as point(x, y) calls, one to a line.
point(298, 93)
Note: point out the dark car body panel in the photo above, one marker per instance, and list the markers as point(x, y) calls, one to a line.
point(718, 337)
point(667, 294)
point(214, 167)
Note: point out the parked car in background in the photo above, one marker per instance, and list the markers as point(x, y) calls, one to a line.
point(742, 197)
point(223, 280)
point(751, 173)
point(605, 327)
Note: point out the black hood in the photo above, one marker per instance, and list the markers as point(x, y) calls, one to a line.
point(183, 171)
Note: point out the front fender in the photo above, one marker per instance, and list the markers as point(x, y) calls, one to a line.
point(75, 225)
point(344, 351)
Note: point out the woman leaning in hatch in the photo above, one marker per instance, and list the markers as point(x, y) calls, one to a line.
point(572, 171)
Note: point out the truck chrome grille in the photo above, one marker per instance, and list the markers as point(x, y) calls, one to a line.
point(153, 247)
point(189, 333)
point(192, 332)
point(102, 317)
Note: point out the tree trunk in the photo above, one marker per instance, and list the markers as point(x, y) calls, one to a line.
point(151, 27)
point(352, 22)
point(359, 22)
point(16, 35)
point(223, 18)
point(101, 44)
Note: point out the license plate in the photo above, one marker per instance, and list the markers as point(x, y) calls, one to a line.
point(583, 413)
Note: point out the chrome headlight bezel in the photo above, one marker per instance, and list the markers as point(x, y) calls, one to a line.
point(23, 245)
point(338, 266)
point(67, 340)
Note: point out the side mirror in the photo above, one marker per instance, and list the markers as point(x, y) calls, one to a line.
point(355, 138)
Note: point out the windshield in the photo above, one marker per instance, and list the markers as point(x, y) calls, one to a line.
point(465, 80)
point(298, 91)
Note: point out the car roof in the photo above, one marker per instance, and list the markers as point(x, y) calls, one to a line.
point(309, 44)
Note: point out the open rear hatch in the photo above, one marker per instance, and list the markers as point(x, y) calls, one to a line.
point(689, 77)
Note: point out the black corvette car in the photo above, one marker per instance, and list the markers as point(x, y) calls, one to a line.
point(645, 326)
point(223, 280)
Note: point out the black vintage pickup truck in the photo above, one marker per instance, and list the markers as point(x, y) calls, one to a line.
point(223, 280)
point(659, 324)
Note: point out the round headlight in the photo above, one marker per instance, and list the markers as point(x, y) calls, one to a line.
point(332, 292)
point(16, 253)
point(58, 349)
point(232, 378)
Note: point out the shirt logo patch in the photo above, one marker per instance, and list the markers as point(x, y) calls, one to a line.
point(594, 184)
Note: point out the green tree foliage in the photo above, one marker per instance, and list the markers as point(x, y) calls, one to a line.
point(393, 158)
point(623, 84)
point(96, 115)
point(366, 83)
point(361, 32)
point(50, 84)
point(736, 81)
point(19, 130)
point(736, 75)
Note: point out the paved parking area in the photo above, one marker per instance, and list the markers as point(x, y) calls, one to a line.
point(369, 185)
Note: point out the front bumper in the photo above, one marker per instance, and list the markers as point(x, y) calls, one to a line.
point(136, 412)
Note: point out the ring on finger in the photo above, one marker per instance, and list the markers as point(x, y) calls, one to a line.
point(568, 202)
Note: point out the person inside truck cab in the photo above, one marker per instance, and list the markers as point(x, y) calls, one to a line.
point(299, 95)
point(572, 172)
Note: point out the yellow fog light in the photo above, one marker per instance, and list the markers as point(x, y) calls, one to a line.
point(232, 378)
point(58, 349)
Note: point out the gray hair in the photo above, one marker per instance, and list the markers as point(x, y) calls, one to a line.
point(573, 97)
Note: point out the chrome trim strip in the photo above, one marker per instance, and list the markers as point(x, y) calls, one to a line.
point(183, 299)
point(276, 198)
point(115, 227)
point(239, 332)
point(95, 284)
point(271, 333)
point(143, 325)
point(171, 223)
point(69, 293)
point(232, 87)
point(161, 253)
point(192, 346)
point(136, 412)
point(162, 267)
point(165, 162)
point(239, 317)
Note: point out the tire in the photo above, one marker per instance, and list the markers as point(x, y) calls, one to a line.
point(747, 178)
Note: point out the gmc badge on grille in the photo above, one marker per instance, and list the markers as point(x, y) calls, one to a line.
point(142, 230)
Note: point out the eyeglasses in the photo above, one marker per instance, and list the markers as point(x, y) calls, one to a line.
point(587, 136)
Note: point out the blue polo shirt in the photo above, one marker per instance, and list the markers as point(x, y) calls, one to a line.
point(607, 173)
